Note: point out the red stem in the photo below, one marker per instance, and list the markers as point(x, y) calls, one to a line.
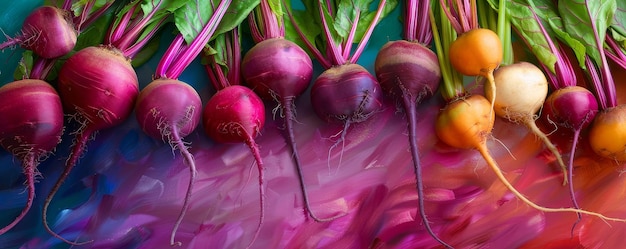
point(216, 74)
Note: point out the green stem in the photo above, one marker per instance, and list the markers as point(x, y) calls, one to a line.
point(504, 32)
point(452, 85)
point(485, 16)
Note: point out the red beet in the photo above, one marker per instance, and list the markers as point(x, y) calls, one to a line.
point(30, 128)
point(47, 31)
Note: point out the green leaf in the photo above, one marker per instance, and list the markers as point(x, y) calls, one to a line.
point(78, 6)
point(236, 13)
point(149, 50)
point(553, 24)
point(161, 8)
point(618, 24)
point(366, 19)
point(218, 51)
point(24, 66)
point(345, 16)
point(346, 12)
point(583, 20)
point(277, 7)
point(191, 18)
point(94, 34)
point(577, 46)
point(165, 8)
point(308, 23)
point(522, 18)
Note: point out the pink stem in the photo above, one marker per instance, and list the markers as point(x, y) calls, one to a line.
point(273, 24)
point(368, 33)
point(464, 22)
point(133, 50)
point(168, 57)
point(93, 17)
point(335, 49)
point(615, 53)
point(316, 52)
point(424, 30)
point(453, 20)
point(605, 74)
point(234, 73)
point(79, 20)
point(129, 37)
point(257, 36)
point(198, 43)
point(116, 32)
point(410, 20)
point(350, 39)
point(596, 82)
point(67, 5)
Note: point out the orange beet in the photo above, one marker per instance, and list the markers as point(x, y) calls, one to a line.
point(607, 135)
